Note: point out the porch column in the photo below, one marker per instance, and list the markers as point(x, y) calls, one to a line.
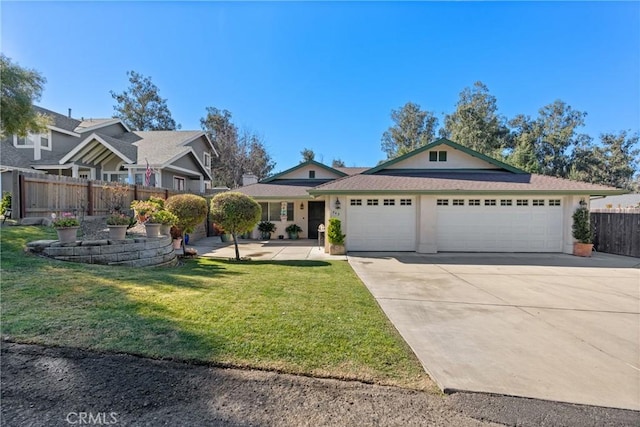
point(131, 176)
point(201, 183)
point(74, 171)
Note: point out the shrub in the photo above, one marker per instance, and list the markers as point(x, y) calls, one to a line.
point(190, 210)
point(144, 209)
point(266, 227)
point(5, 204)
point(118, 219)
point(334, 232)
point(163, 217)
point(67, 219)
point(581, 227)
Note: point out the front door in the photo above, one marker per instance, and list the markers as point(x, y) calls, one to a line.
point(316, 217)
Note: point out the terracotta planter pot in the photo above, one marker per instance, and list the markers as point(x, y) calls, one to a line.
point(582, 249)
point(337, 250)
point(153, 230)
point(177, 243)
point(67, 234)
point(117, 232)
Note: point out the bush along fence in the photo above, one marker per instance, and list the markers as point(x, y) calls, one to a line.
point(617, 231)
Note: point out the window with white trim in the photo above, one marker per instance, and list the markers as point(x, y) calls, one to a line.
point(538, 202)
point(490, 202)
point(179, 183)
point(372, 202)
point(405, 202)
point(271, 211)
point(506, 202)
point(442, 202)
point(312, 174)
point(554, 202)
point(474, 202)
point(356, 202)
point(522, 202)
point(389, 202)
point(207, 159)
point(458, 202)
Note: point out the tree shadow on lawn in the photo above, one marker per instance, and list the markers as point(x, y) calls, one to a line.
point(289, 263)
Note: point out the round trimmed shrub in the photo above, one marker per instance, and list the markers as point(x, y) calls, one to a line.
point(190, 209)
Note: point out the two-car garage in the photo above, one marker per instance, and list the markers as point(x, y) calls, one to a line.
point(463, 224)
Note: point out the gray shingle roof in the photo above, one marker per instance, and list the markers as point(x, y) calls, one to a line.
point(423, 181)
point(59, 120)
point(126, 148)
point(12, 156)
point(158, 147)
point(284, 188)
point(352, 170)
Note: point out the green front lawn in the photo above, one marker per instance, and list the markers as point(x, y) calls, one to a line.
point(303, 317)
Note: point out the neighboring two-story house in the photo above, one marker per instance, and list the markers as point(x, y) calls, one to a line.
point(106, 149)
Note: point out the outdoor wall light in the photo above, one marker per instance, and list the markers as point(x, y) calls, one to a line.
point(301, 206)
point(337, 203)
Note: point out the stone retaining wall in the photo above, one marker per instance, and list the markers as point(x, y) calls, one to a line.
point(137, 252)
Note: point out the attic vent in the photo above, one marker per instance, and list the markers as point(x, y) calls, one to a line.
point(312, 174)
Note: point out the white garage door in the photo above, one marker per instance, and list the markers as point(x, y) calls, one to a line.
point(500, 225)
point(381, 224)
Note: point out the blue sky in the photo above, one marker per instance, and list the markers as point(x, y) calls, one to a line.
point(326, 75)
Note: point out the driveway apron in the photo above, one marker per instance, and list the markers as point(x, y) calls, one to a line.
point(543, 326)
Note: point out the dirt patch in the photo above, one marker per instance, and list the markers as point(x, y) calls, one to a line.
point(55, 386)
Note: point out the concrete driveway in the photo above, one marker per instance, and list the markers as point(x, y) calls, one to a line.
point(553, 327)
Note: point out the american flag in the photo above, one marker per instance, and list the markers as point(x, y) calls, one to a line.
point(147, 176)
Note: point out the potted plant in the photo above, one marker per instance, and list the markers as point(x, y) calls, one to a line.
point(266, 228)
point(176, 236)
point(224, 236)
point(118, 224)
point(143, 209)
point(66, 226)
point(293, 230)
point(166, 220)
point(335, 237)
point(581, 230)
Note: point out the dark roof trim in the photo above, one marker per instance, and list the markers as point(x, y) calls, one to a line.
point(444, 141)
point(320, 192)
point(301, 165)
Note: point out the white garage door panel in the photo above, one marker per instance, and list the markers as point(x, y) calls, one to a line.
point(500, 228)
point(381, 228)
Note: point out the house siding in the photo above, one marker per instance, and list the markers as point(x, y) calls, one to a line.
point(303, 173)
point(456, 159)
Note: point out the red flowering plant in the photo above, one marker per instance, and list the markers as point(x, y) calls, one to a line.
point(66, 219)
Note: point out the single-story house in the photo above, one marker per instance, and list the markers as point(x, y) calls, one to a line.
point(106, 149)
point(440, 197)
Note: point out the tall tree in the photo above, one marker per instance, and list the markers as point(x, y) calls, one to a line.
point(337, 163)
point(524, 154)
point(140, 107)
point(556, 133)
point(476, 123)
point(21, 87)
point(613, 162)
point(307, 155)
point(412, 129)
point(239, 152)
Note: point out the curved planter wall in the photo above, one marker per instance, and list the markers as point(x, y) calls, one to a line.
point(138, 252)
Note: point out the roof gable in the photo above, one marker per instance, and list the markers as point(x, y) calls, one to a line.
point(300, 172)
point(458, 158)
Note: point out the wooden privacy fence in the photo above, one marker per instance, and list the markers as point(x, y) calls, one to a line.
point(617, 232)
point(40, 195)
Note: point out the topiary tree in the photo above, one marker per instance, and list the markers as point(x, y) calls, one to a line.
point(581, 226)
point(334, 232)
point(190, 209)
point(236, 213)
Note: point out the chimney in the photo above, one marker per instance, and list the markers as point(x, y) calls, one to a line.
point(248, 179)
point(69, 112)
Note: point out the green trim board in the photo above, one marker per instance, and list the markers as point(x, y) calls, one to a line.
point(454, 145)
point(301, 165)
